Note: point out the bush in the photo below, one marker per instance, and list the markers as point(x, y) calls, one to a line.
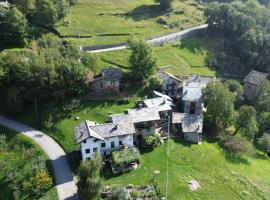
point(233, 144)
point(152, 140)
point(39, 184)
point(264, 142)
point(117, 193)
point(126, 156)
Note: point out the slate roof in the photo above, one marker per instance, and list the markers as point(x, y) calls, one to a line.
point(192, 88)
point(112, 73)
point(144, 114)
point(193, 92)
point(120, 118)
point(101, 131)
point(191, 123)
point(255, 77)
point(160, 103)
point(193, 78)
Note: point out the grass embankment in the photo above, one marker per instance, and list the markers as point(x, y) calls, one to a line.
point(220, 176)
point(15, 163)
point(188, 56)
point(99, 22)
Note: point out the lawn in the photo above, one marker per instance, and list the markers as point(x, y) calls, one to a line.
point(13, 162)
point(220, 176)
point(184, 57)
point(98, 22)
point(63, 129)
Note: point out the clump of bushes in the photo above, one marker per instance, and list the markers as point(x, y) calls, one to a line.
point(126, 156)
point(152, 140)
point(234, 144)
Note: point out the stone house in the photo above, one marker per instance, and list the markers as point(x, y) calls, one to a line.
point(171, 85)
point(189, 125)
point(108, 82)
point(145, 121)
point(192, 96)
point(103, 138)
point(252, 80)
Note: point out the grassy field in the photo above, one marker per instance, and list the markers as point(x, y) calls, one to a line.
point(63, 129)
point(220, 176)
point(185, 57)
point(15, 162)
point(113, 21)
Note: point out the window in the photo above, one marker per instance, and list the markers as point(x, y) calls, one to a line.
point(96, 140)
point(95, 149)
point(87, 150)
point(103, 145)
point(101, 85)
point(112, 144)
point(192, 107)
point(88, 159)
point(84, 141)
point(120, 143)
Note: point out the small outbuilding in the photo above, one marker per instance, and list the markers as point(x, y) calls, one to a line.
point(251, 82)
point(190, 125)
point(171, 85)
point(108, 82)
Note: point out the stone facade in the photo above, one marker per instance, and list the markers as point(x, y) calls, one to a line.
point(253, 79)
point(108, 82)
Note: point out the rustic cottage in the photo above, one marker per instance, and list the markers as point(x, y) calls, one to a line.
point(171, 85)
point(190, 125)
point(145, 121)
point(103, 138)
point(253, 79)
point(108, 82)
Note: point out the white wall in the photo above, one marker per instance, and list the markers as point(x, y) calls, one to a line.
point(199, 107)
point(193, 137)
point(90, 144)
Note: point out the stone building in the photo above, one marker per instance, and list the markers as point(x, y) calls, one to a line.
point(253, 79)
point(108, 82)
point(171, 85)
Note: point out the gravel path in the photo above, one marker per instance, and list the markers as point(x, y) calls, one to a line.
point(158, 40)
point(64, 180)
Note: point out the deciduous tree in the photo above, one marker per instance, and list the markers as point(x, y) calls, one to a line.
point(220, 107)
point(142, 63)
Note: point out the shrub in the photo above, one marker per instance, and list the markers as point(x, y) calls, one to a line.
point(125, 156)
point(152, 140)
point(118, 193)
point(264, 142)
point(39, 184)
point(233, 144)
point(155, 83)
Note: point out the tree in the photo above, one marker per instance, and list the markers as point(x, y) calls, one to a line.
point(45, 13)
point(165, 4)
point(117, 193)
point(264, 142)
point(13, 26)
point(264, 122)
point(141, 62)
point(236, 88)
point(89, 178)
point(246, 121)
point(220, 106)
point(262, 97)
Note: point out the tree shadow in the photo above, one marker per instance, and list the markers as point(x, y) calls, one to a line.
point(182, 142)
point(235, 158)
point(144, 12)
